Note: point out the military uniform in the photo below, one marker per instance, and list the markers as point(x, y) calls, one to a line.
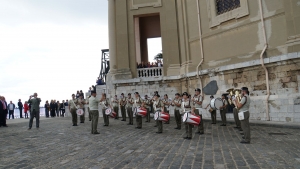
point(245, 123)
point(115, 104)
point(73, 108)
point(139, 119)
point(236, 115)
point(123, 110)
point(200, 128)
point(177, 113)
point(158, 105)
point(188, 127)
point(81, 103)
point(105, 104)
point(93, 105)
point(213, 115)
point(166, 108)
point(34, 111)
point(223, 112)
point(129, 109)
point(147, 105)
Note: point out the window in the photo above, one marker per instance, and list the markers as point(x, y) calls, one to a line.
point(226, 5)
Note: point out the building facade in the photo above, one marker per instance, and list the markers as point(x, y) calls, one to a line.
point(253, 43)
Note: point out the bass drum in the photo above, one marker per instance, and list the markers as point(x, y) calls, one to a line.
point(140, 111)
point(216, 103)
point(79, 112)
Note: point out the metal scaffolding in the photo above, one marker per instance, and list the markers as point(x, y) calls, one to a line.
point(104, 64)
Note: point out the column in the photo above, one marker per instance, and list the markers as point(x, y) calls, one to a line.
point(112, 35)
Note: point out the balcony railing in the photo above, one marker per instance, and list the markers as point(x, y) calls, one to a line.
point(150, 72)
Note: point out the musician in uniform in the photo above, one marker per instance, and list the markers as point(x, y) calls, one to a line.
point(235, 109)
point(90, 115)
point(122, 105)
point(138, 103)
point(166, 106)
point(223, 110)
point(93, 105)
point(147, 105)
point(243, 107)
point(213, 113)
point(115, 104)
point(72, 108)
point(177, 104)
point(105, 104)
point(153, 108)
point(186, 106)
point(129, 103)
point(81, 102)
point(197, 103)
point(158, 105)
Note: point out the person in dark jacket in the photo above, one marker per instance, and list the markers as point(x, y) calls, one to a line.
point(62, 109)
point(52, 108)
point(20, 105)
point(57, 106)
point(47, 108)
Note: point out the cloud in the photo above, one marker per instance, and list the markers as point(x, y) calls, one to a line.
point(50, 47)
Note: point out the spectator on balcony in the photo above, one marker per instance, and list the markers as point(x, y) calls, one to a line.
point(159, 63)
point(100, 82)
point(94, 88)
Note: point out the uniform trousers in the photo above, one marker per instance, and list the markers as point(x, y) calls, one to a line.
point(236, 117)
point(200, 127)
point(123, 112)
point(223, 116)
point(74, 116)
point(246, 126)
point(178, 118)
point(94, 117)
point(116, 110)
point(130, 114)
point(213, 116)
point(188, 129)
point(105, 117)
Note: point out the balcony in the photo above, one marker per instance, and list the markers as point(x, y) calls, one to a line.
point(150, 72)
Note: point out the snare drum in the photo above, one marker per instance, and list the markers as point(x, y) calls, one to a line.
point(79, 112)
point(161, 116)
point(216, 103)
point(189, 118)
point(110, 113)
point(140, 111)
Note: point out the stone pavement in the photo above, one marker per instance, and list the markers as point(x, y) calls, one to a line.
point(59, 145)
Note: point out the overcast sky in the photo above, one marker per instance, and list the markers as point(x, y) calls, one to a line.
point(52, 47)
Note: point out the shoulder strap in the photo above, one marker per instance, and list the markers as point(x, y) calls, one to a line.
point(245, 101)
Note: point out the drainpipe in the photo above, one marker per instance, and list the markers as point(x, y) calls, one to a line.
point(201, 44)
point(262, 60)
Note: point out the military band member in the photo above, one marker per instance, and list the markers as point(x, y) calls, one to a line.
point(73, 108)
point(147, 106)
point(93, 105)
point(166, 106)
point(235, 109)
point(129, 103)
point(177, 104)
point(153, 108)
point(197, 103)
point(158, 105)
point(105, 104)
point(138, 103)
point(115, 104)
point(223, 110)
point(243, 107)
point(186, 106)
point(122, 106)
point(213, 113)
point(90, 115)
point(80, 103)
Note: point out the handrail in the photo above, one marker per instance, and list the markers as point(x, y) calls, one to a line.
point(150, 72)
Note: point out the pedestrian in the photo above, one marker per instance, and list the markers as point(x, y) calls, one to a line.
point(26, 107)
point(129, 103)
point(105, 104)
point(177, 105)
point(81, 103)
point(63, 108)
point(47, 108)
point(166, 103)
point(57, 105)
point(197, 104)
point(3, 112)
point(212, 111)
point(11, 109)
point(115, 104)
point(138, 103)
point(52, 108)
point(158, 106)
point(187, 107)
point(123, 105)
point(20, 105)
point(147, 106)
point(35, 110)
